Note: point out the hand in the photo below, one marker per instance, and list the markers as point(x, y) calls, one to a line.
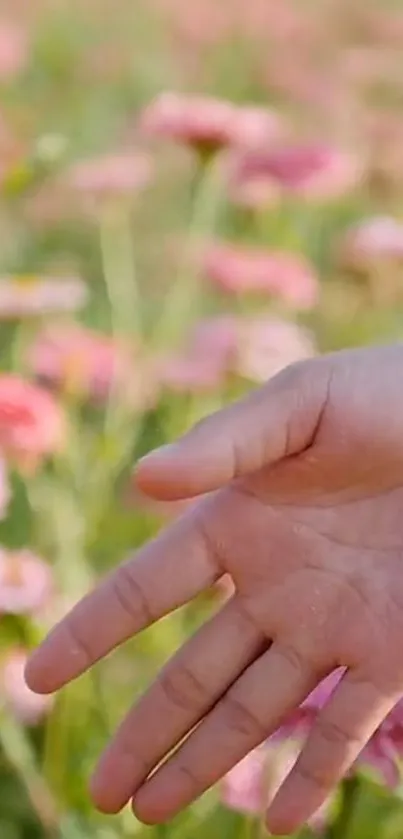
point(305, 511)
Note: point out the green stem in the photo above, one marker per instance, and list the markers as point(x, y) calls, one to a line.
point(20, 754)
point(162, 831)
point(253, 828)
point(119, 269)
point(182, 303)
point(341, 825)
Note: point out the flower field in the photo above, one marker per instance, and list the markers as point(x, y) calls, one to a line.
point(193, 195)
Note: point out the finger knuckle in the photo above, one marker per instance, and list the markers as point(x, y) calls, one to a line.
point(293, 374)
point(190, 778)
point(246, 618)
point(334, 733)
point(321, 777)
point(297, 661)
point(129, 753)
point(238, 455)
point(78, 643)
point(183, 689)
point(242, 720)
point(212, 545)
point(130, 597)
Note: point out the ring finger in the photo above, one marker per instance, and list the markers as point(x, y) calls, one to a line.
point(190, 684)
point(251, 710)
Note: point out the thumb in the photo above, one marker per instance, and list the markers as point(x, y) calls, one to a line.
point(271, 423)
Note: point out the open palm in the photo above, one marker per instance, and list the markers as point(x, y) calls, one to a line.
point(304, 483)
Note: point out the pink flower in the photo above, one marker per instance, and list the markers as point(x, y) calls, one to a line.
point(375, 240)
point(368, 65)
point(383, 133)
point(198, 121)
point(267, 345)
point(383, 751)
point(277, 23)
point(244, 787)
point(208, 124)
point(31, 296)
point(25, 582)
point(253, 783)
point(310, 171)
point(240, 270)
point(110, 175)
point(13, 51)
point(316, 700)
point(254, 347)
point(189, 375)
point(31, 422)
point(203, 23)
point(250, 190)
point(321, 94)
point(206, 360)
point(386, 27)
point(216, 338)
point(88, 364)
point(28, 707)
point(255, 127)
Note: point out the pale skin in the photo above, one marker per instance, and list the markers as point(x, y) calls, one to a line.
point(304, 509)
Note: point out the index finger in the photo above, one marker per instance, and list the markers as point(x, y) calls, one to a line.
point(168, 572)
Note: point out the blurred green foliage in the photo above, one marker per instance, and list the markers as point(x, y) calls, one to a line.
point(90, 70)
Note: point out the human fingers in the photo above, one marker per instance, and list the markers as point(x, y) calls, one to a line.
point(344, 726)
point(274, 422)
point(247, 714)
point(166, 573)
point(183, 693)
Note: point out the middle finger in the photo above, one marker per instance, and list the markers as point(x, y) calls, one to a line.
point(253, 708)
point(185, 690)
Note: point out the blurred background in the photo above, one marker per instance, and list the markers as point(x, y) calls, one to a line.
point(192, 196)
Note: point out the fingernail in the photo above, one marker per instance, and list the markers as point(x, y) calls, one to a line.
point(163, 452)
